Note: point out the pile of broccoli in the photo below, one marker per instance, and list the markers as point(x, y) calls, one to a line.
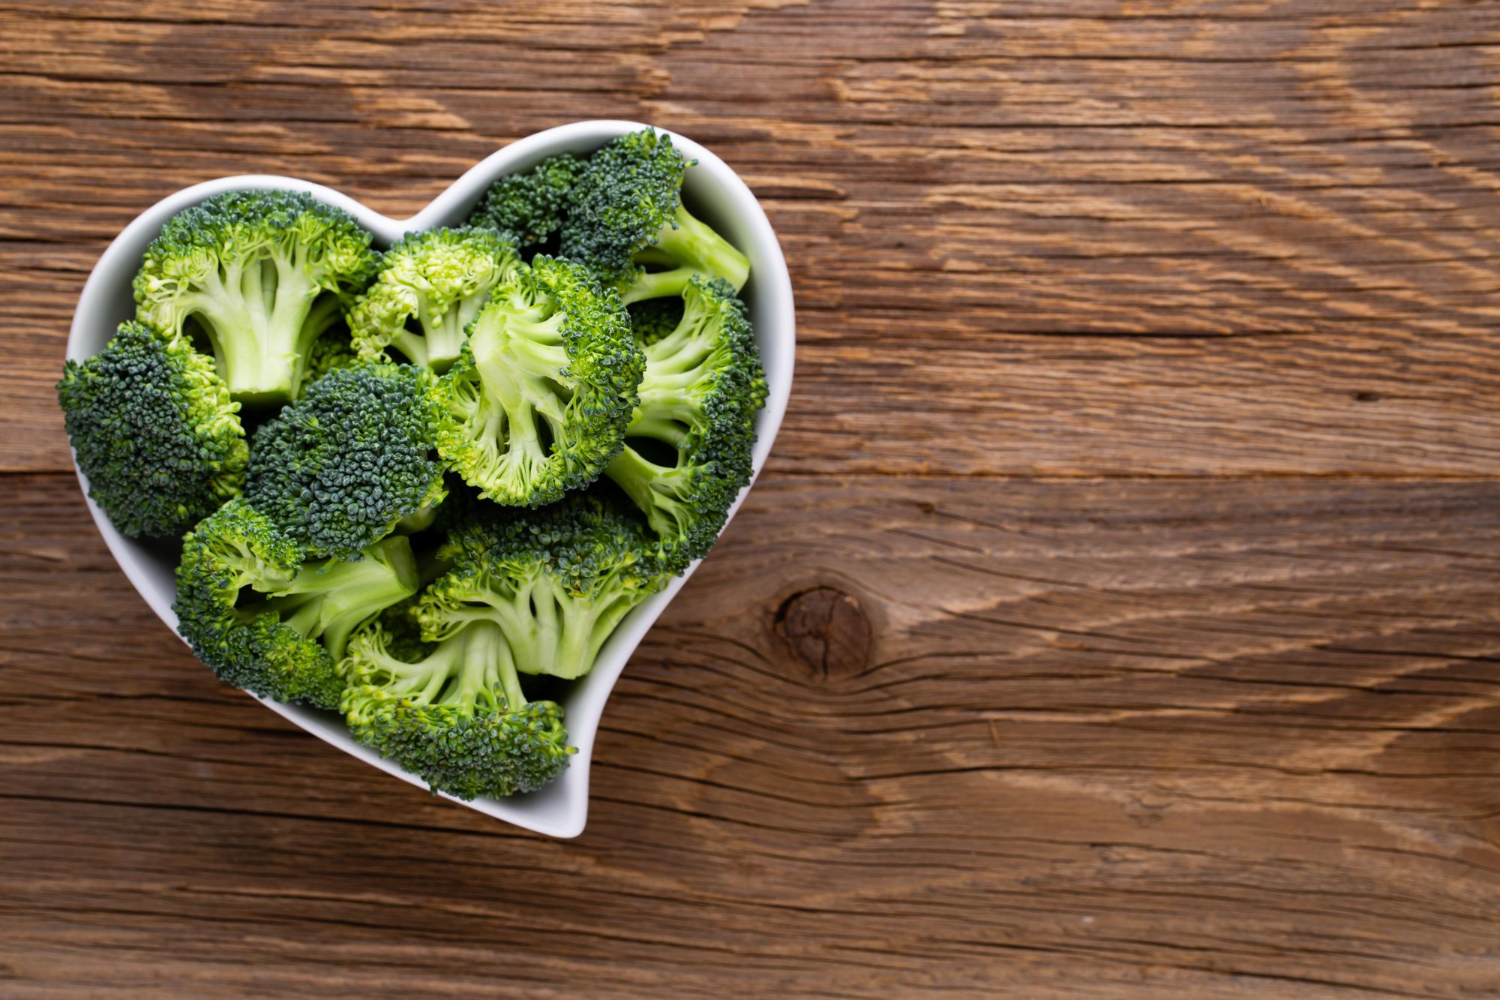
point(408, 484)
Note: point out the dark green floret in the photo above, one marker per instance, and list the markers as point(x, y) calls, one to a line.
point(154, 430)
point(261, 274)
point(340, 467)
point(528, 208)
point(266, 621)
point(538, 401)
point(451, 712)
point(429, 288)
point(626, 222)
point(702, 389)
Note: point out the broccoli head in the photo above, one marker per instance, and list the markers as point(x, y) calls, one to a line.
point(528, 208)
point(265, 620)
point(428, 289)
point(341, 466)
point(556, 580)
point(154, 430)
point(538, 401)
point(260, 273)
point(451, 712)
point(687, 451)
point(625, 216)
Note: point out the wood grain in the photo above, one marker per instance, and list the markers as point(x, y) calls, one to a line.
point(1116, 617)
point(1109, 738)
point(1160, 238)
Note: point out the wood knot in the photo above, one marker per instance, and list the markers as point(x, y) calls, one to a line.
point(827, 630)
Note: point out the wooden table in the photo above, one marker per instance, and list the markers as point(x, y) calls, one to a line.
point(1119, 613)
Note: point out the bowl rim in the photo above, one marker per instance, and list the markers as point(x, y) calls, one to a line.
point(561, 809)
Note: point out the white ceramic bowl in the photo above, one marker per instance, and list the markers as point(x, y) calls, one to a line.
point(712, 191)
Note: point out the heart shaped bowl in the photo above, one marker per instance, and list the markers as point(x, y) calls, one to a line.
point(712, 191)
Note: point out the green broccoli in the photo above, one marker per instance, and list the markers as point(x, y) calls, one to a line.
point(625, 216)
point(260, 273)
point(653, 319)
point(556, 580)
point(435, 684)
point(538, 401)
point(154, 431)
point(341, 466)
point(702, 388)
point(264, 620)
point(429, 288)
point(528, 208)
point(452, 712)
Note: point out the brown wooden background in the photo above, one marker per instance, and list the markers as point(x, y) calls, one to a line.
point(1119, 615)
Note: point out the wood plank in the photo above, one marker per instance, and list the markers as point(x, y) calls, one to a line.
point(1173, 239)
point(1056, 739)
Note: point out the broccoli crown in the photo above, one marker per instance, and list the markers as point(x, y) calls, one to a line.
point(625, 214)
point(628, 191)
point(338, 468)
point(453, 711)
point(556, 581)
point(529, 207)
point(701, 391)
point(265, 621)
point(538, 401)
point(154, 430)
point(429, 288)
point(248, 268)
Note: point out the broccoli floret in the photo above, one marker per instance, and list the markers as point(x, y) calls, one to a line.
point(538, 401)
point(529, 207)
point(337, 469)
point(556, 580)
point(702, 389)
point(154, 430)
point(429, 288)
point(258, 272)
point(625, 214)
point(452, 712)
point(264, 620)
point(653, 319)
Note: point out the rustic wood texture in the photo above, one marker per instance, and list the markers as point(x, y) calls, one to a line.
point(1117, 616)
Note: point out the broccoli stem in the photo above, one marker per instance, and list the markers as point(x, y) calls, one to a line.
point(557, 633)
point(547, 629)
point(420, 682)
point(332, 599)
point(694, 243)
point(647, 485)
point(658, 284)
point(325, 313)
point(486, 660)
point(412, 345)
point(505, 382)
point(445, 341)
point(440, 342)
point(256, 314)
point(449, 343)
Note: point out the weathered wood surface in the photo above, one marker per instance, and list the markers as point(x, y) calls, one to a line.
point(1117, 617)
